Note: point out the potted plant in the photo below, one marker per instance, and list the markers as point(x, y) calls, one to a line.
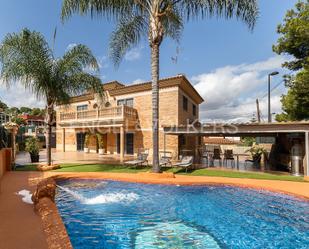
point(100, 143)
point(256, 153)
point(86, 143)
point(32, 146)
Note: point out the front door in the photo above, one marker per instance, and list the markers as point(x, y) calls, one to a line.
point(128, 143)
point(80, 140)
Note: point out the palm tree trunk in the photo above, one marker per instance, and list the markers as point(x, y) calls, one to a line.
point(48, 134)
point(48, 144)
point(155, 106)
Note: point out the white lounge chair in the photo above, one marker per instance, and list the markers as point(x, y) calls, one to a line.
point(165, 161)
point(141, 158)
point(185, 162)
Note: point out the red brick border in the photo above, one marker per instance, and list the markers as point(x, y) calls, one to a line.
point(56, 234)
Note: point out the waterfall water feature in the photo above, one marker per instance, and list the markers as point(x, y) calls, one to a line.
point(101, 199)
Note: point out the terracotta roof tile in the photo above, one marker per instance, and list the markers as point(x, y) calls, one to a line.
point(116, 88)
point(218, 140)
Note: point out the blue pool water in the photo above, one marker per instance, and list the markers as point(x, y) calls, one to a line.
point(114, 215)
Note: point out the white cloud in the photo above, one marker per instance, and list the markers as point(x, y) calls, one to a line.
point(230, 92)
point(138, 81)
point(17, 96)
point(70, 46)
point(103, 62)
point(133, 54)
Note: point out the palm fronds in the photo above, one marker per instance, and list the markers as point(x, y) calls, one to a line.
point(26, 57)
point(128, 34)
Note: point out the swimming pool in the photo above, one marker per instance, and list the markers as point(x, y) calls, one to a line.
point(114, 215)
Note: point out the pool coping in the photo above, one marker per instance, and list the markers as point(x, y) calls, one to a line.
point(53, 225)
point(295, 189)
point(274, 186)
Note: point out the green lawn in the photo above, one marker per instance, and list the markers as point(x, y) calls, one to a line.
point(251, 175)
point(99, 168)
point(198, 172)
point(30, 167)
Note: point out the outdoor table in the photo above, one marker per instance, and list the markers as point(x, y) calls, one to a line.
point(210, 153)
point(237, 158)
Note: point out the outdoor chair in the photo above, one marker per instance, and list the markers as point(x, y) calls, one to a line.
point(205, 156)
point(141, 159)
point(229, 156)
point(216, 156)
point(165, 161)
point(186, 162)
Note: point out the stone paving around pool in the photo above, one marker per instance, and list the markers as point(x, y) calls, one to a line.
point(20, 226)
point(58, 157)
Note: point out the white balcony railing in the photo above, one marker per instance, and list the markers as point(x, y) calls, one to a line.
point(118, 112)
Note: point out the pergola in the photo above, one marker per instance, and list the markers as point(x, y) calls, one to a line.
point(300, 129)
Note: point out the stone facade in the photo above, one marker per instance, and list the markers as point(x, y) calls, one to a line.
point(171, 112)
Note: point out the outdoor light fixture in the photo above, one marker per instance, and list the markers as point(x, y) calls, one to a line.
point(269, 112)
point(274, 73)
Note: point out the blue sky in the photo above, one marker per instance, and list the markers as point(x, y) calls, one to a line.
point(222, 58)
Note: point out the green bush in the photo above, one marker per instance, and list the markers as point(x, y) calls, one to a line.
point(257, 151)
point(86, 142)
point(100, 141)
point(247, 141)
point(32, 146)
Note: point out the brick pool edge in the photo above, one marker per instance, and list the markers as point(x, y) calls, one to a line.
point(54, 229)
point(296, 189)
point(52, 223)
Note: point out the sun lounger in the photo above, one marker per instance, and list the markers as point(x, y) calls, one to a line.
point(185, 162)
point(165, 161)
point(141, 159)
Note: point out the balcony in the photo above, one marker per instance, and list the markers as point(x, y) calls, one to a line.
point(110, 114)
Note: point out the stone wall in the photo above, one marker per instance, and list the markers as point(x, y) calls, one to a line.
point(171, 113)
point(5, 160)
point(184, 115)
point(168, 115)
point(168, 107)
point(70, 139)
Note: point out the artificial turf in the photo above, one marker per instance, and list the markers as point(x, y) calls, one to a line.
point(197, 172)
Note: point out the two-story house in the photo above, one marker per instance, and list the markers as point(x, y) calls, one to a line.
point(125, 117)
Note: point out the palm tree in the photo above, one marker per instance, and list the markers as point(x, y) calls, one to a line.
point(156, 19)
point(26, 57)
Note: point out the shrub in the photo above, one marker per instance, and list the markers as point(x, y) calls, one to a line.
point(257, 151)
point(32, 146)
point(100, 141)
point(86, 142)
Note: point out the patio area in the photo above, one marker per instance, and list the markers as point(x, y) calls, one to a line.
point(20, 226)
point(279, 157)
point(59, 157)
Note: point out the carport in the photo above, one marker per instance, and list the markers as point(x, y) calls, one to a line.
point(283, 132)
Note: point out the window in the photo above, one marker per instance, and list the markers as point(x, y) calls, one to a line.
point(182, 140)
point(185, 103)
point(127, 102)
point(82, 108)
point(121, 102)
point(194, 109)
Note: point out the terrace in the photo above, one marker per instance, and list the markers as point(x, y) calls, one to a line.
point(116, 114)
